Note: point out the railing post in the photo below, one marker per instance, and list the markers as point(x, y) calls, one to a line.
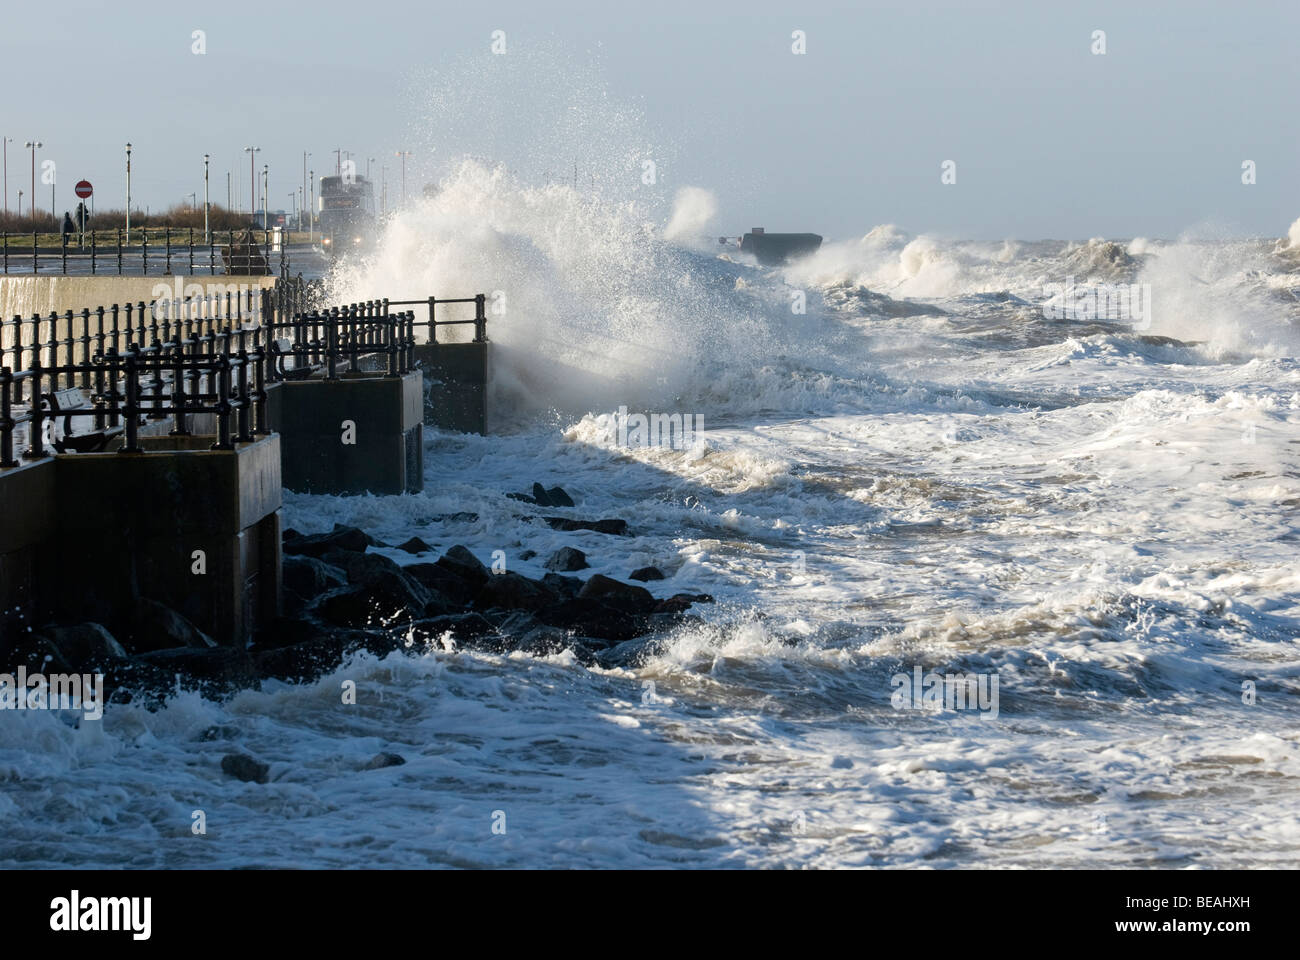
point(65, 254)
point(179, 428)
point(433, 320)
point(113, 363)
point(52, 345)
point(99, 389)
point(223, 404)
point(131, 407)
point(92, 253)
point(393, 336)
point(332, 344)
point(85, 347)
point(35, 267)
point(408, 342)
point(480, 318)
point(191, 247)
point(36, 441)
point(260, 358)
point(119, 251)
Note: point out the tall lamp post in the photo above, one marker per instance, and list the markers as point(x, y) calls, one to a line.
point(4, 142)
point(311, 200)
point(207, 235)
point(302, 207)
point(404, 154)
point(252, 180)
point(128, 192)
point(31, 197)
point(266, 197)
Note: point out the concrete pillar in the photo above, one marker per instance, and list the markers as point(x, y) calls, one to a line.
point(456, 379)
point(360, 433)
point(195, 529)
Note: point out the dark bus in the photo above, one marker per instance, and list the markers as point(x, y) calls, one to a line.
point(347, 214)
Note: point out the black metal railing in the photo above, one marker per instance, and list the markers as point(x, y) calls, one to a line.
point(433, 323)
point(227, 252)
point(214, 354)
point(220, 374)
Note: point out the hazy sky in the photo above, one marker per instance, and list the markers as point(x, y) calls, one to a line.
point(1049, 139)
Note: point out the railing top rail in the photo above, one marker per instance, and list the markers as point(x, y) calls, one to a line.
point(407, 303)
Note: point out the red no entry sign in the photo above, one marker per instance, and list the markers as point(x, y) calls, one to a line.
point(84, 189)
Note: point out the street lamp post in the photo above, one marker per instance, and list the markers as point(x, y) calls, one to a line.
point(252, 180)
point(311, 214)
point(4, 142)
point(266, 198)
point(207, 236)
point(404, 154)
point(128, 192)
point(20, 204)
point(31, 197)
point(305, 155)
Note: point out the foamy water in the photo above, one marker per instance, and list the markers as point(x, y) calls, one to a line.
point(918, 470)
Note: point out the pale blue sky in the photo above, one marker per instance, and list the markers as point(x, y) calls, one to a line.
point(1049, 139)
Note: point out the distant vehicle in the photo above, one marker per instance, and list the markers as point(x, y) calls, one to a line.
point(772, 249)
point(274, 218)
point(347, 215)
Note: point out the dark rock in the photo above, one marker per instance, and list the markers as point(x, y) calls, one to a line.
point(558, 498)
point(285, 632)
point(646, 573)
point(361, 567)
point(514, 623)
point(85, 644)
point(679, 602)
point(387, 596)
point(673, 605)
point(158, 627)
point(613, 526)
point(222, 667)
point(528, 555)
point(544, 641)
point(414, 545)
point(442, 580)
point(554, 497)
point(630, 653)
point(243, 767)
point(563, 586)
point(290, 534)
point(462, 563)
point(511, 591)
point(566, 560)
point(591, 618)
point(306, 661)
point(390, 590)
point(381, 760)
point(615, 592)
point(463, 627)
point(309, 577)
point(661, 621)
point(340, 538)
